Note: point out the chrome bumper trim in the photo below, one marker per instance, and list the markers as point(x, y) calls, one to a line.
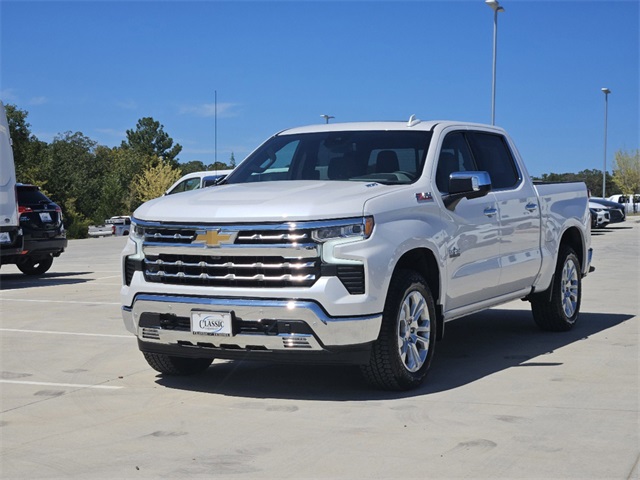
point(328, 331)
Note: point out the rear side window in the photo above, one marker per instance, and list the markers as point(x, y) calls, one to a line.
point(31, 195)
point(493, 155)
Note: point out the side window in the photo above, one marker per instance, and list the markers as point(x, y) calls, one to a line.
point(185, 185)
point(192, 184)
point(455, 156)
point(493, 155)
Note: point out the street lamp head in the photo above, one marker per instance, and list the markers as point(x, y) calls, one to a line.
point(606, 91)
point(495, 6)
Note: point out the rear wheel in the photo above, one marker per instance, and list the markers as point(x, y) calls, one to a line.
point(31, 266)
point(176, 365)
point(557, 310)
point(401, 355)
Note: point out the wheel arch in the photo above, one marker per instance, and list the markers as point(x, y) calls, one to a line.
point(424, 262)
point(572, 237)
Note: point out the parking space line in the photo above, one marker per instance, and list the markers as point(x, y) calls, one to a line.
point(72, 385)
point(66, 333)
point(57, 301)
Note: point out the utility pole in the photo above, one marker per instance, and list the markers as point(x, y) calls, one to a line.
point(215, 127)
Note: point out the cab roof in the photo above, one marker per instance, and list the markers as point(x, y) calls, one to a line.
point(412, 124)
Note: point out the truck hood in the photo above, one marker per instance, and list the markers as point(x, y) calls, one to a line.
point(263, 202)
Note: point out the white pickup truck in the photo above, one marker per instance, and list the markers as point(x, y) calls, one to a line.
point(353, 243)
point(118, 226)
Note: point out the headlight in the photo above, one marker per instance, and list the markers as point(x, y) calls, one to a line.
point(136, 232)
point(353, 228)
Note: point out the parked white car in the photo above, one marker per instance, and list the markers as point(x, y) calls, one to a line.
point(195, 180)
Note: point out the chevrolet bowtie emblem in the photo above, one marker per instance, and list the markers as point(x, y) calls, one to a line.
point(213, 238)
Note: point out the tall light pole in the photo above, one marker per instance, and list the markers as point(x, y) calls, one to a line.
point(327, 117)
point(215, 127)
point(495, 6)
point(606, 92)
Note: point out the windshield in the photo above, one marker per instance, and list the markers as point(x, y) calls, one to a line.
point(387, 157)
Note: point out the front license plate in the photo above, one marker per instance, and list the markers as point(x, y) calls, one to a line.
point(45, 216)
point(211, 323)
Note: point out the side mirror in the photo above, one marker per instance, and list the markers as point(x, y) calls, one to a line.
point(466, 185)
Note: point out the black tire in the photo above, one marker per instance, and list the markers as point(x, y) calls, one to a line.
point(169, 365)
point(401, 356)
point(31, 266)
point(557, 310)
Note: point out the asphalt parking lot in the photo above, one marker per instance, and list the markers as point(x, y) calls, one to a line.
point(503, 399)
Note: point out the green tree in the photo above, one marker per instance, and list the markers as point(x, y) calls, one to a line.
point(116, 195)
point(626, 172)
point(27, 149)
point(192, 166)
point(592, 178)
point(150, 139)
point(74, 178)
point(218, 166)
point(232, 161)
point(19, 131)
point(76, 223)
point(74, 171)
point(154, 181)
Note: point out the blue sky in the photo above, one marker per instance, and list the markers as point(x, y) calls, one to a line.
point(98, 67)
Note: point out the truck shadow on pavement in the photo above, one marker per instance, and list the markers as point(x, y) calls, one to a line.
point(18, 281)
point(473, 347)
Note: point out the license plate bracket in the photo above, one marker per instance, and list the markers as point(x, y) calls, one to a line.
point(215, 324)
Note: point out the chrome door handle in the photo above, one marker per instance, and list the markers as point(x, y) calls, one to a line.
point(531, 206)
point(490, 211)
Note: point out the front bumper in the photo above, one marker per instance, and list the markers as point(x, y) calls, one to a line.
point(162, 324)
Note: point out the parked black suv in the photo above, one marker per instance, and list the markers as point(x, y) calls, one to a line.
point(43, 231)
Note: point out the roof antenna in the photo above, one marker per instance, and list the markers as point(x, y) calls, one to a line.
point(413, 121)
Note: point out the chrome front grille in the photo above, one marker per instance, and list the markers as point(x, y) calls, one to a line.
point(230, 271)
point(271, 238)
point(169, 235)
point(249, 256)
point(279, 255)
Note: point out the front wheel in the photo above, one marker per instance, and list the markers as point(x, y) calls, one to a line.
point(401, 356)
point(176, 365)
point(557, 310)
point(32, 266)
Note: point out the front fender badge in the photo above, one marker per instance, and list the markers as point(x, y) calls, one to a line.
point(424, 197)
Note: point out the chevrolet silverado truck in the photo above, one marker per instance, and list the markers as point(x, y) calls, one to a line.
point(353, 243)
point(118, 226)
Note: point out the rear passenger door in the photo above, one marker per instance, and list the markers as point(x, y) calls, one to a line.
point(518, 210)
